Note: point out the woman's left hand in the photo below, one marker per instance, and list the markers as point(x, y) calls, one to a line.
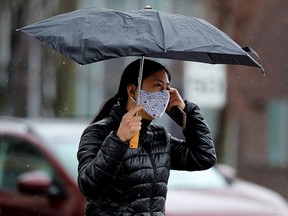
point(175, 99)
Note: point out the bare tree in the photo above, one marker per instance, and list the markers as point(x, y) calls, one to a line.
point(27, 68)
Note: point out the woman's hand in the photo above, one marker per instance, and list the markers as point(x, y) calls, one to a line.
point(175, 99)
point(130, 124)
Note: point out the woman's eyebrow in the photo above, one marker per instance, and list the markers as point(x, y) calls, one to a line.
point(158, 80)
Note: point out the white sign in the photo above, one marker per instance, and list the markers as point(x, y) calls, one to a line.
point(205, 84)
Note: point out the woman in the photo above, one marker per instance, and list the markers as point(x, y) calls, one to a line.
point(118, 180)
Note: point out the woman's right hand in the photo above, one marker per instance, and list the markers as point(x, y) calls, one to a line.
point(130, 124)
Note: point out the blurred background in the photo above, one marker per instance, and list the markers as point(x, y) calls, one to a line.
point(247, 112)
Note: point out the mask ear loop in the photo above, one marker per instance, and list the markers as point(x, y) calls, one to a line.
point(133, 143)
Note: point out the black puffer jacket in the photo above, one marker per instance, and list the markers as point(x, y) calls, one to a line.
point(118, 180)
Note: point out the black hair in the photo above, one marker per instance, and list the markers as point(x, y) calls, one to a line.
point(129, 76)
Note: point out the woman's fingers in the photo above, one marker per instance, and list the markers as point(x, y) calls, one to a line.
point(134, 123)
point(130, 124)
point(175, 99)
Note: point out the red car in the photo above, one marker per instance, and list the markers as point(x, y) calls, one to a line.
point(38, 172)
point(38, 168)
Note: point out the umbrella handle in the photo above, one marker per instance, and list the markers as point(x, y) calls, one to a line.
point(133, 143)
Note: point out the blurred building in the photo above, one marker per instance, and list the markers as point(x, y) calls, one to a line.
point(254, 124)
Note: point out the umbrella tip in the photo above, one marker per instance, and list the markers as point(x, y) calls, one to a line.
point(148, 7)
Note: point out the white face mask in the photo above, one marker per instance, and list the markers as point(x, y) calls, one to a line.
point(155, 103)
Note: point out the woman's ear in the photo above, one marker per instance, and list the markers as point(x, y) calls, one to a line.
point(131, 90)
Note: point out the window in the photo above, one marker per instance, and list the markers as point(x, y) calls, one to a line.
point(277, 132)
point(18, 157)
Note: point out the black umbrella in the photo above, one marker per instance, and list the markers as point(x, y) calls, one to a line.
point(96, 34)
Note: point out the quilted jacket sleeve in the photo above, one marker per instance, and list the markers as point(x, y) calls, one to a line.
point(100, 154)
point(197, 152)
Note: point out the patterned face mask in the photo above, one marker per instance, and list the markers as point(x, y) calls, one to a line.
point(155, 103)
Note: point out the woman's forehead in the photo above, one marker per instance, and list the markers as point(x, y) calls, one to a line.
point(160, 75)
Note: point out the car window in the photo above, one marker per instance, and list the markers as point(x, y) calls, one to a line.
point(18, 157)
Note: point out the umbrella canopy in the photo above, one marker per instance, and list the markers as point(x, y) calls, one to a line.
point(96, 34)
